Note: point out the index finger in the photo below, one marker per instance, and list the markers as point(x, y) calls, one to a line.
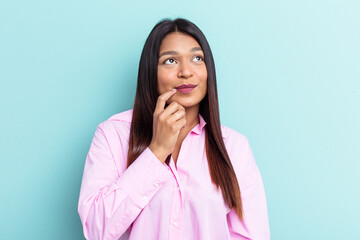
point(160, 104)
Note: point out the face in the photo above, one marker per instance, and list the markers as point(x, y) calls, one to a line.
point(181, 61)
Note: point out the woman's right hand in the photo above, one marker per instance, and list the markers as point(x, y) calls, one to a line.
point(167, 123)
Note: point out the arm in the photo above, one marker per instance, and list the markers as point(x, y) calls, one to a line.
point(110, 199)
point(255, 225)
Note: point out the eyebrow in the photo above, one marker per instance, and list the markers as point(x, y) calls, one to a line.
point(194, 49)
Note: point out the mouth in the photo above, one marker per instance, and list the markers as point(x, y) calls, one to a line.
point(185, 88)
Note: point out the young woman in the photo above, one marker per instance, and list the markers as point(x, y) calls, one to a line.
point(167, 169)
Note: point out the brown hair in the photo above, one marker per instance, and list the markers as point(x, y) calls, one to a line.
point(220, 167)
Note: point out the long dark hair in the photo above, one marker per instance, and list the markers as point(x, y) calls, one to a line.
point(220, 167)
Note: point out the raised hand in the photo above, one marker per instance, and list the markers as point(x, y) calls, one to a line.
point(167, 124)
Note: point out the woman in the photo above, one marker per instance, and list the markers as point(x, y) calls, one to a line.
point(167, 169)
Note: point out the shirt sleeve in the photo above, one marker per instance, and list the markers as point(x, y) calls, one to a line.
point(110, 201)
point(255, 224)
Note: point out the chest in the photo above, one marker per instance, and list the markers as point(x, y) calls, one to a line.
point(175, 153)
point(190, 192)
point(191, 174)
point(177, 149)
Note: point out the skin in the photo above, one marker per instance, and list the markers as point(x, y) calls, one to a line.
point(180, 62)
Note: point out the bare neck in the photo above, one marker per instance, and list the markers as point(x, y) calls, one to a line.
point(192, 119)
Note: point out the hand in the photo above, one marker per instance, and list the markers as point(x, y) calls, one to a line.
point(167, 124)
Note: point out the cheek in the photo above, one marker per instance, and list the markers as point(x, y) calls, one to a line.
point(202, 74)
point(165, 80)
point(165, 76)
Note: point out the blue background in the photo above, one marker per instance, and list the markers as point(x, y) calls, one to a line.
point(288, 79)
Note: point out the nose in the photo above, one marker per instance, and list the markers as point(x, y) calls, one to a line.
point(185, 70)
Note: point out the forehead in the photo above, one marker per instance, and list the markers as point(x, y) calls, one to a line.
point(178, 42)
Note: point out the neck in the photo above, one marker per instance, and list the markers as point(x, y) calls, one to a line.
point(192, 119)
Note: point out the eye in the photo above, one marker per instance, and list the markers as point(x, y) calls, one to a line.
point(198, 58)
point(169, 61)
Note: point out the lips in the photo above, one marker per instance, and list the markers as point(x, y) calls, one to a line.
point(185, 86)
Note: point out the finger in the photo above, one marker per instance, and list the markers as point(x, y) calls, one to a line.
point(180, 113)
point(180, 124)
point(172, 108)
point(160, 104)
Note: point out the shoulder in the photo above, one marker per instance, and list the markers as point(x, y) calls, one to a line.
point(117, 123)
point(231, 135)
point(238, 148)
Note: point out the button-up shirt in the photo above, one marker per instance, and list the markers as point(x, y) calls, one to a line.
point(154, 201)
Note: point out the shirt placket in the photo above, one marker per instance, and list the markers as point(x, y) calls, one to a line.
point(177, 209)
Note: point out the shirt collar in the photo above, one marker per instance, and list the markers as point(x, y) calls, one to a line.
point(199, 127)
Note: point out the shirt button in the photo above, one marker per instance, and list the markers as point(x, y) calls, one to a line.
point(145, 199)
point(175, 224)
point(155, 184)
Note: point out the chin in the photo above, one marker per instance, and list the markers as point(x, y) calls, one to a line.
point(187, 104)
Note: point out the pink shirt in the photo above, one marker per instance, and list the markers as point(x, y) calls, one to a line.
point(151, 200)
